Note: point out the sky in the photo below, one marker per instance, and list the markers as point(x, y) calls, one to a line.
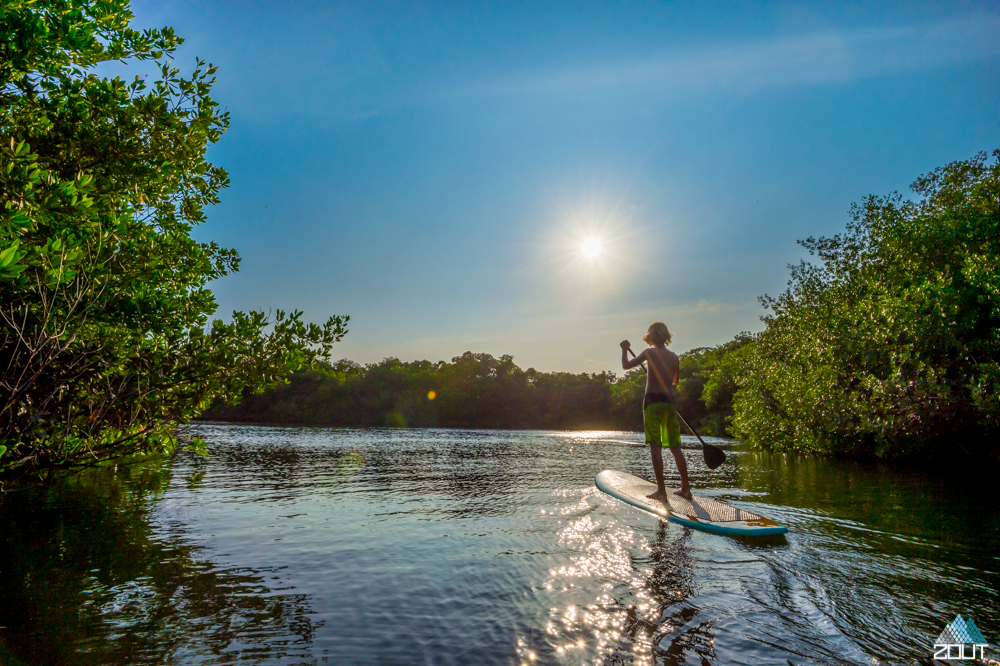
point(433, 169)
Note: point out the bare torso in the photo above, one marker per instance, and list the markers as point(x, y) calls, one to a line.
point(663, 367)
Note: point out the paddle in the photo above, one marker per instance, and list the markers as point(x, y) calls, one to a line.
point(714, 456)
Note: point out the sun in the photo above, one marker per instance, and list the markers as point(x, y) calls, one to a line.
point(591, 248)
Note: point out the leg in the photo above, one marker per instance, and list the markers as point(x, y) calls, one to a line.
point(682, 467)
point(672, 433)
point(656, 451)
point(652, 416)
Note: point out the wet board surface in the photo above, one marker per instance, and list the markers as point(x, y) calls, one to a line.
point(700, 513)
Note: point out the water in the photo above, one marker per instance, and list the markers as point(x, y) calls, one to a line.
point(339, 546)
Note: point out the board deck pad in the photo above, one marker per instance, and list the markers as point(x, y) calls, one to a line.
point(699, 512)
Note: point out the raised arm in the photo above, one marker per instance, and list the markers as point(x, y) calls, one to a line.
point(629, 363)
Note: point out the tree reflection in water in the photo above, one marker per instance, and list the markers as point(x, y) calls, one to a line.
point(85, 578)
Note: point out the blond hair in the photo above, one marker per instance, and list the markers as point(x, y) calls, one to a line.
point(657, 334)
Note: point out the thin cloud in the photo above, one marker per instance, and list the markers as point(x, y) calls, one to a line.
point(804, 59)
point(718, 308)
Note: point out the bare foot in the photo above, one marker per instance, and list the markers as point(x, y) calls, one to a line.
point(658, 496)
point(686, 495)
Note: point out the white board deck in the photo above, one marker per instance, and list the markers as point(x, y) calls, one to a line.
point(700, 513)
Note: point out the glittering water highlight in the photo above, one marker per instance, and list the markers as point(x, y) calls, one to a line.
point(340, 546)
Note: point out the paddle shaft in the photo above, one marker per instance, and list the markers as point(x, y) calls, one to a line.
point(676, 411)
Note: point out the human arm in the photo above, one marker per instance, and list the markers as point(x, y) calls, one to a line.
point(629, 363)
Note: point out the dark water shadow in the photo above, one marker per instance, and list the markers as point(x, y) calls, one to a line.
point(86, 577)
point(477, 474)
point(883, 554)
point(764, 542)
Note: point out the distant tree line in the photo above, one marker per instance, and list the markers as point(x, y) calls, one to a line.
point(472, 391)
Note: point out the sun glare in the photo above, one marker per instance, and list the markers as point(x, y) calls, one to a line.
point(591, 247)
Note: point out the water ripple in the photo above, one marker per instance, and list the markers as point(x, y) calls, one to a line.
point(344, 546)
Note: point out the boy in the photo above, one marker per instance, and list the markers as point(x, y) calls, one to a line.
point(658, 415)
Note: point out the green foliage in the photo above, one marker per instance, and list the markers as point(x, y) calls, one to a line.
point(472, 391)
point(105, 343)
point(890, 346)
point(706, 387)
point(626, 400)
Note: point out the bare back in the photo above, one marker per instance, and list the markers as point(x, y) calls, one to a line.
point(663, 367)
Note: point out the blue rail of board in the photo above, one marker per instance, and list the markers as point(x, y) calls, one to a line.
point(714, 528)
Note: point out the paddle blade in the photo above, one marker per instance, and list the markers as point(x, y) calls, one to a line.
point(714, 456)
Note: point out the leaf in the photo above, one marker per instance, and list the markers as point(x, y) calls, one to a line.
point(198, 446)
point(8, 256)
point(20, 220)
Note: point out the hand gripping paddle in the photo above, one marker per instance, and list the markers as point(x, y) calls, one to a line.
point(714, 456)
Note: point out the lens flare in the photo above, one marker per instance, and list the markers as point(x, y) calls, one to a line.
point(591, 248)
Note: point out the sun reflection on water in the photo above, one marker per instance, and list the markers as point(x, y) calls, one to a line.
point(643, 612)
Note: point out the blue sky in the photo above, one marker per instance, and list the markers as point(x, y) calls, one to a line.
point(433, 169)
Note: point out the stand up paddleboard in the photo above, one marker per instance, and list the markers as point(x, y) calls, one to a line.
point(700, 513)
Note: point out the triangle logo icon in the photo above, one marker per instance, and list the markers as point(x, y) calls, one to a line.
point(975, 636)
point(948, 636)
point(956, 632)
point(960, 631)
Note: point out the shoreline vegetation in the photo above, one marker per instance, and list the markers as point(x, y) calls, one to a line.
point(474, 390)
point(888, 346)
point(106, 342)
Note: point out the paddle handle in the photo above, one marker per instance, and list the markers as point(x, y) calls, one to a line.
point(676, 411)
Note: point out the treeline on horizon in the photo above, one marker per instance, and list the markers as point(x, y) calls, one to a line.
point(474, 390)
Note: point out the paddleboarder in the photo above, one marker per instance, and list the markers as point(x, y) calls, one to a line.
point(659, 417)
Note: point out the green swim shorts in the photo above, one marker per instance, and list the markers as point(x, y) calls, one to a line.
point(661, 423)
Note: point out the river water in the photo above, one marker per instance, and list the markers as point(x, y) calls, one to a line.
point(383, 546)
